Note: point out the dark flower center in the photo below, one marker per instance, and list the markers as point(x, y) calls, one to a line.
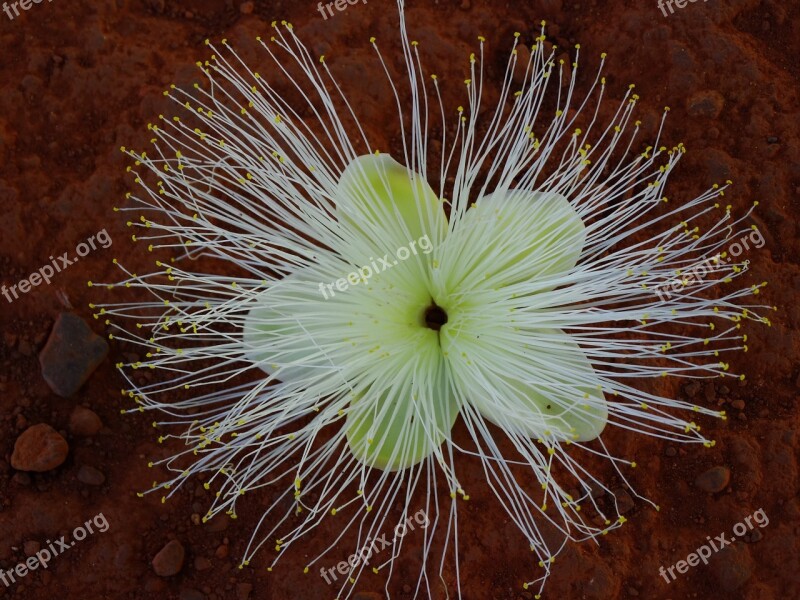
point(434, 317)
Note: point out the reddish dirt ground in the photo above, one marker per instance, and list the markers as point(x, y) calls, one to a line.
point(81, 79)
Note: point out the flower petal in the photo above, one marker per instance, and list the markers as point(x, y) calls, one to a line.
point(283, 333)
point(513, 237)
point(403, 419)
point(387, 205)
point(545, 388)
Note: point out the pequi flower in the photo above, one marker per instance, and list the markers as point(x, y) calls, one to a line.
point(530, 312)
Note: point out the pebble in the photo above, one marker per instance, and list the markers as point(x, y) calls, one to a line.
point(72, 353)
point(624, 501)
point(692, 388)
point(90, 475)
point(169, 560)
point(217, 524)
point(40, 448)
point(243, 591)
point(714, 480)
point(732, 567)
point(84, 422)
point(523, 57)
point(707, 103)
point(246, 8)
point(738, 404)
point(222, 551)
point(201, 563)
point(754, 536)
point(671, 451)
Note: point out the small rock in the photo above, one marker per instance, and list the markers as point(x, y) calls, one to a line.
point(707, 103)
point(40, 448)
point(246, 8)
point(222, 551)
point(85, 422)
point(169, 560)
point(755, 536)
point(732, 567)
point(671, 451)
point(90, 475)
point(201, 563)
point(243, 591)
point(217, 524)
point(71, 354)
point(523, 58)
point(21, 422)
point(692, 388)
point(710, 392)
point(624, 501)
point(714, 480)
point(738, 404)
point(772, 139)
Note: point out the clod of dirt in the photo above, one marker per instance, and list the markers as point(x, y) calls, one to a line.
point(84, 422)
point(732, 567)
point(90, 476)
point(72, 353)
point(40, 448)
point(707, 104)
point(714, 480)
point(625, 503)
point(169, 560)
point(243, 591)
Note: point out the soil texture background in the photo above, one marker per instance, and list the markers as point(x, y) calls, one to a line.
point(79, 79)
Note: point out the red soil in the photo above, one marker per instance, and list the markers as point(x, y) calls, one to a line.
point(81, 79)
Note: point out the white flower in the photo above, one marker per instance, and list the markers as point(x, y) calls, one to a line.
point(533, 317)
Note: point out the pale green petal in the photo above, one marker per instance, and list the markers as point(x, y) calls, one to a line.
point(283, 334)
point(403, 420)
point(539, 390)
point(386, 205)
point(513, 237)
